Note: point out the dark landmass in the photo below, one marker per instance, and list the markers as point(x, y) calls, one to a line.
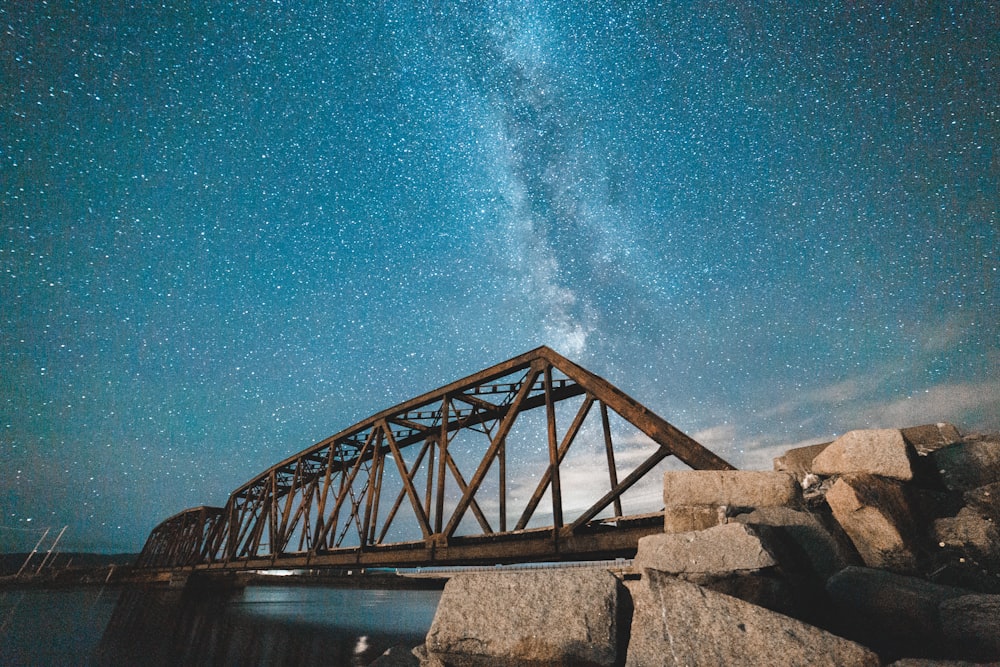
point(74, 569)
point(11, 563)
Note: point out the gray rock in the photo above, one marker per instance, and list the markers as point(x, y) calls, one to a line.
point(970, 532)
point(739, 488)
point(826, 554)
point(881, 452)
point(786, 594)
point(891, 611)
point(731, 547)
point(968, 465)
point(687, 518)
point(680, 623)
point(876, 515)
point(552, 617)
point(985, 500)
point(930, 437)
point(426, 659)
point(798, 461)
point(972, 622)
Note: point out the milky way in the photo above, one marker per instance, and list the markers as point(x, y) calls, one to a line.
point(229, 232)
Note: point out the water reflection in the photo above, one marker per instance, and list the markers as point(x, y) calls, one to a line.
point(264, 625)
point(52, 627)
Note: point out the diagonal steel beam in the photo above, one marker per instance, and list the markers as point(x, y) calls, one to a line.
point(497, 441)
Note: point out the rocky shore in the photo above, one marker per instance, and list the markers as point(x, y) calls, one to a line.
point(879, 548)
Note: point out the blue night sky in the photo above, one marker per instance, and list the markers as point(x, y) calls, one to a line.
point(230, 232)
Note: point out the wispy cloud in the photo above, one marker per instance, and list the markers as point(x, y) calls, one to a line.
point(974, 405)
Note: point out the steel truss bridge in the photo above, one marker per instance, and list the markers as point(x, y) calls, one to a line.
point(441, 480)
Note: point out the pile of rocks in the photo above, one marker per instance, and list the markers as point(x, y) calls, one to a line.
point(881, 546)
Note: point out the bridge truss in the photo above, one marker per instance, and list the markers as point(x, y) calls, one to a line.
point(440, 479)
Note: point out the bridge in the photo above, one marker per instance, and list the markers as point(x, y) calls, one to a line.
point(481, 471)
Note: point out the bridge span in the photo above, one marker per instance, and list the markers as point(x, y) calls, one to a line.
point(534, 459)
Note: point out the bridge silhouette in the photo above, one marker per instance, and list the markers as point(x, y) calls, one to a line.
point(390, 491)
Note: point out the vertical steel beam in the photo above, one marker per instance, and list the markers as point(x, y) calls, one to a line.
point(324, 493)
point(612, 468)
point(550, 414)
point(442, 454)
point(428, 494)
point(502, 491)
point(272, 510)
point(543, 484)
point(370, 496)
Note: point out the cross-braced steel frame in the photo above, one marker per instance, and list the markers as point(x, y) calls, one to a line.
point(341, 501)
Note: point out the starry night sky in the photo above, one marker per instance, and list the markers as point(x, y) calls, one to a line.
point(230, 232)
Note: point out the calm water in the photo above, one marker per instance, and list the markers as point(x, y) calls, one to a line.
point(266, 625)
point(53, 627)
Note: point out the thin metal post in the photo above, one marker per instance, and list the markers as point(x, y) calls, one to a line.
point(442, 455)
point(612, 469)
point(550, 411)
point(33, 552)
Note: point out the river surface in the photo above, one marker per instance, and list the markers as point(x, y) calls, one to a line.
point(260, 625)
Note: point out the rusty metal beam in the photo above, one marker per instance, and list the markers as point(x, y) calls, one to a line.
point(658, 429)
point(319, 494)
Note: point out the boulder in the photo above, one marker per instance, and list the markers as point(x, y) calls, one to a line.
point(551, 617)
point(875, 514)
point(881, 452)
point(969, 464)
point(737, 488)
point(930, 437)
point(972, 624)
point(889, 611)
point(985, 500)
point(680, 623)
point(426, 659)
point(971, 533)
point(687, 518)
point(824, 553)
point(731, 547)
point(798, 461)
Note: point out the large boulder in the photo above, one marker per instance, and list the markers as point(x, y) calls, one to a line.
point(969, 464)
point(972, 623)
point(875, 513)
point(798, 460)
point(824, 553)
point(895, 613)
point(971, 533)
point(731, 547)
point(680, 623)
point(733, 488)
point(687, 518)
point(930, 437)
point(550, 617)
point(881, 452)
point(985, 500)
